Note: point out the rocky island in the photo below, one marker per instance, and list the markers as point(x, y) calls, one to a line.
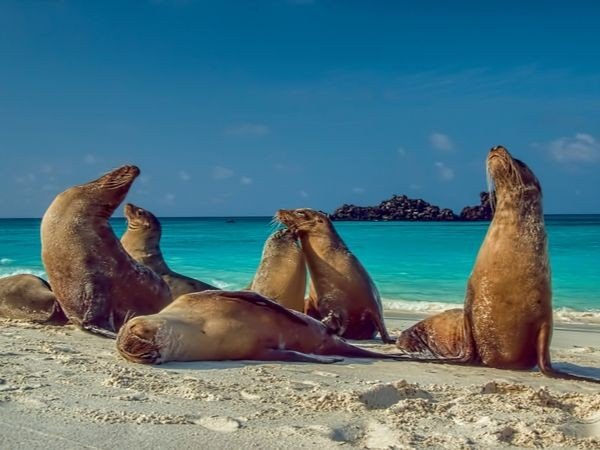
point(400, 207)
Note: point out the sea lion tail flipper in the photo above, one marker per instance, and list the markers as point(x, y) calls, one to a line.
point(545, 364)
point(292, 355)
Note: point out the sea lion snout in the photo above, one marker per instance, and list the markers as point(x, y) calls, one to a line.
point(136, 341)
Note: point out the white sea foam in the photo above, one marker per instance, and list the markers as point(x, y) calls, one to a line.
point(564, 315)
point(20, 271)
point(221, 284)
point(6, 261)
point(418, 306)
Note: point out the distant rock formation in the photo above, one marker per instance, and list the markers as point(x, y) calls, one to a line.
point(480, 212)
point(400, 207)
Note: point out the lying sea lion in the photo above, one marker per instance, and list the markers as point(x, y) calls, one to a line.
point(507, 320)
point(231, 325)
point(94, 279)
point(142, 242)
point(27, 297)
point(342, 293)
point(281, 275)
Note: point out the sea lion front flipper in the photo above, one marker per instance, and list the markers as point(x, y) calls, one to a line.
point(292, 355)
point(380, 326)
point(99, 331)
point(260, 300)
point(544, 362)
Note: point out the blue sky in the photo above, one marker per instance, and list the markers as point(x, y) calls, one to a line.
point(241, 108)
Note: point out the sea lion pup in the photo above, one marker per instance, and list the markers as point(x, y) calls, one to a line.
point(342, 293)
point(507, 321)
point(94, 279)
point(27, 297)
point(232, 325)
point(281, 275)
point(142, 242)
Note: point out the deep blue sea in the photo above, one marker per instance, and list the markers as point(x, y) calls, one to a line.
point(416, 265)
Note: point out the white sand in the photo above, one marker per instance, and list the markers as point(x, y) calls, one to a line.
point(62, 388)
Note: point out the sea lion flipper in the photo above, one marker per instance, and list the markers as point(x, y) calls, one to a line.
point(291, 355)
point(260, 300)
point(544, 362)
point(380, 326)
point(99, 331)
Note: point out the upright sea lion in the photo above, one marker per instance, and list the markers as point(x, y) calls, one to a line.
point(229, 325)
point(281, 275)
point(27, 297)
point(94, 279)
point(342, 293)
point(507, 320)
point(142, 242)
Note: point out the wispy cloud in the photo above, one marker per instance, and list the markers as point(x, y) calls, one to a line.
point(444, 172)
point(169, 199)
point(358, 190)
point(221, 173)
point(580, 149)
point(402, 152)
point(90, 159)
point(184, 176)
point(441, 141)
point(414, 187)
point(28, 178)
point(246, 180)
point(249, 129)
point(303, 194)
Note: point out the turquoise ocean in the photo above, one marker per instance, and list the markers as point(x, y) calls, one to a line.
point(417, 266)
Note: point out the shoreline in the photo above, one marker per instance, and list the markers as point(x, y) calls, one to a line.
point(63, 388)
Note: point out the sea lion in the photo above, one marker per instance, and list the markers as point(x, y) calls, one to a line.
point(507, 320)
point(231, 325)
point(342, 293)
point(142, 241)
point(27, 297)
point(281, 275)
point(94, 279)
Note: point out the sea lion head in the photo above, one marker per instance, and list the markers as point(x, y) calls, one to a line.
point(284, 239)
point(142, 222)
point(102, 196)
point(304, 220)
point(511, 176)
point(139, 340)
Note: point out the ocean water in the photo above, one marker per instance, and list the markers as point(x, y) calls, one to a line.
point(417, 266)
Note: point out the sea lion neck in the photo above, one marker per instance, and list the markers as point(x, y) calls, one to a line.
point(320, 243)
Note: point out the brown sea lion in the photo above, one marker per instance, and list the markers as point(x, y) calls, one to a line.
point(231, 325)
point(27, 297)
point(94, 279)
point(507, 320)
point(142, 242)
point(342, 293)
point(281, 275)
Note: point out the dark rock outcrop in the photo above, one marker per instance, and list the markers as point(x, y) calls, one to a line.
point(482, 211)
point(400, 207)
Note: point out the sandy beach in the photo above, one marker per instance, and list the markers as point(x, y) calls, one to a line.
point(63, 388)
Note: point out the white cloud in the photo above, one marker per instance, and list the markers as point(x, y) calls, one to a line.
point(47, 169)
point(582, 148)
point(303, 194)
point(221, 173)
point(444, 172)
point(170, 199)
point(144, 179)
point(28, 178)
point(90, 159)
point(414, 187)
point(246, 180)
point(402, 152)
point(249, 129)
point(184, 176)
point(441, 141)
point(358, 190)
